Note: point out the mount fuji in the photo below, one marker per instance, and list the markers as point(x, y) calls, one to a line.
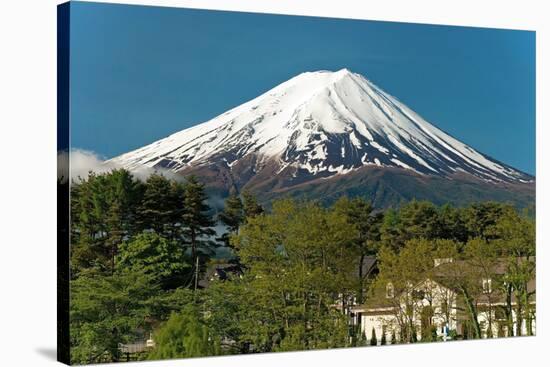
point(324, 134)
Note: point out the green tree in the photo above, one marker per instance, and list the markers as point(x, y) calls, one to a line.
point(88, 225)
point(251, 206)
point(360, 214)
point(299, 259)
point(232, 217)
point(161, 207)
point(103, 212)
point(516, 241)
point(373, 340)
point(419, 219)
point(481, 217)
point(197, 224)
point(390, 230)
point(156, 256)
point(236, 316)
point(107, 310)
point(415, 219)
point(414, 336)
point(452, 224)
point(184, 335)
point(122, 193)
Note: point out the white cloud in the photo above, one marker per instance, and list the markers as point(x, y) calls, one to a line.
point(82, 162)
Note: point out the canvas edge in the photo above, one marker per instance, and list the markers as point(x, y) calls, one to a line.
point(63, 200)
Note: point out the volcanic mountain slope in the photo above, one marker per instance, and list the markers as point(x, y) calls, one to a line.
point(321, 128)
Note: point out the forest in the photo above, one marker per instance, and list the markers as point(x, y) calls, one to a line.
point(141, 253)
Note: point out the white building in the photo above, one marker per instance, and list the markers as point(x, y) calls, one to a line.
point(435, 308)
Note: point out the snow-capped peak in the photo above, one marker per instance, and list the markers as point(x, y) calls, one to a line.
point(322, 123)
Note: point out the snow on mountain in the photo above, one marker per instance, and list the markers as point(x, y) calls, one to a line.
point(321, 124)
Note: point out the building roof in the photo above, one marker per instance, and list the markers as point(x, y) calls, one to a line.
point(447, 274)
point(369, 266)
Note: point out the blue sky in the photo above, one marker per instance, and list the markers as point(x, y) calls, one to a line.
point(140, 73)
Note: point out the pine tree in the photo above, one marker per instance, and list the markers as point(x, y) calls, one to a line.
point(84, 251)
point(161, 203)
point(197, 223)
point(232, 216)
point(414, 337)
point(373, 340)
point(383, 338)
point(121, 195)
point(433, 333)
point(364, 339)
point(393, 338)
point(103, 209)
point(250, 205)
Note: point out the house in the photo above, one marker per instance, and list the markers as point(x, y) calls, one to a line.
point(437, 308)
point(219, 272)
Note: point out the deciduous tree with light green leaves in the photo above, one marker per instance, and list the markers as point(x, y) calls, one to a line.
point(184, 335)
point(300, 260)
